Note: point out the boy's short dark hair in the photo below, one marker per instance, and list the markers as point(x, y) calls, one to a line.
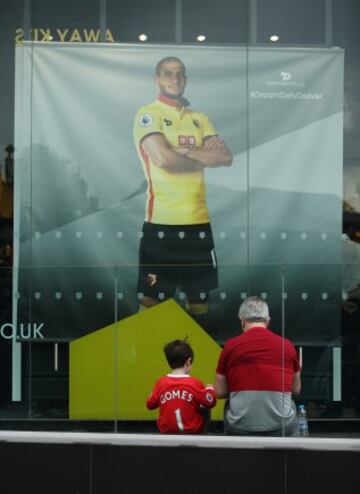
point(177, 353)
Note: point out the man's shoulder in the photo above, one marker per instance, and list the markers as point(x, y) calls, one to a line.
point(281, 339)
point(146, 117)
point(274, 335)
point(230, 343)
point(153, 106)
point(277, 335)
point(289, 343)
point(196, 113)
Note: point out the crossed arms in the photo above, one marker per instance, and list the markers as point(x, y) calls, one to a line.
point(213, 153)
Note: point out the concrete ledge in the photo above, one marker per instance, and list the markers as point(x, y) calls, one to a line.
point(158, 440)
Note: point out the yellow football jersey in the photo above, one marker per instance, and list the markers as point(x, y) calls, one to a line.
point(173, 198)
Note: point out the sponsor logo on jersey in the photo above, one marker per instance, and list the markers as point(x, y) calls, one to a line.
point(196, 123)
point(146, 120)
point(187, 140)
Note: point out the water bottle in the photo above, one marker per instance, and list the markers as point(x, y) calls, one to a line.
point(302, 423)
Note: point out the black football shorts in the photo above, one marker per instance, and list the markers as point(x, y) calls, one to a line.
point(177, 256)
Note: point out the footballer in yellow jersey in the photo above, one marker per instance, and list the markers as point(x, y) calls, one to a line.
point(173, 198)
point(175, 144)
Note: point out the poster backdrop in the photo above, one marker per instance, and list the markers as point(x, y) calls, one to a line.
point(80, 189)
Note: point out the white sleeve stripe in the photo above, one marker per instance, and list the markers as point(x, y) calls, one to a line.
point(213, 258)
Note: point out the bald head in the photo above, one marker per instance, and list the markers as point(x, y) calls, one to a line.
point(171, 78)
point(165, 60)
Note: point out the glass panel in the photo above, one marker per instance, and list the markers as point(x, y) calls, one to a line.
point(350, 350)
point(346, 35)
point(313, 323)
point(6, 331)
point(130, 18)
point(292, 120)
point(294, 21)
point(11, 16)
point(294, 216)
point(65, 358)
point(61, 299)
point(181, 277)
point(280, 113)
point(219, 22)
point(141, 339)
point(325, 300)
point(65, 21)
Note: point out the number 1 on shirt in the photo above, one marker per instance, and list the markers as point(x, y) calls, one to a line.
point(179, 419)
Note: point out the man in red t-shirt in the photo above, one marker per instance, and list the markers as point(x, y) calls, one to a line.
point(257, 372)
point(183, 400)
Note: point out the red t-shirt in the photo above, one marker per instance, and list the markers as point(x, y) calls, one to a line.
point(182, 400)
point(258, 360)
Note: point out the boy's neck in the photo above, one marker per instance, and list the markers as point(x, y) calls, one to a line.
point(179, 371)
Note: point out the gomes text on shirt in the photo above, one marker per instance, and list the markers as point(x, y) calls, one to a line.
point(175, 394)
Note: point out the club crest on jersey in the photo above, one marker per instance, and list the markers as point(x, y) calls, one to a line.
point(167, 122)
point(146, 120)
point(209, 397)
point(151, 279)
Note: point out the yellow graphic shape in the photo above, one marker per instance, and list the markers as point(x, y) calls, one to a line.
point(113, 370)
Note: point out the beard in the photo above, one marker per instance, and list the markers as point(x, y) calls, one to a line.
point(171, 95)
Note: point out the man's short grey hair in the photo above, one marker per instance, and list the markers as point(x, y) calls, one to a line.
point(254, 309)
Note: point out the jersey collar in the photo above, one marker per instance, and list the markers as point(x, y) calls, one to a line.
point(173, 102)
point(257, 328)
point(178, 375)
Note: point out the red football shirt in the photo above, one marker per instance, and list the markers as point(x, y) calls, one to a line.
point(258, 360)
point(182, 400)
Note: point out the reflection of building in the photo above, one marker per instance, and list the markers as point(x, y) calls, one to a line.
point(6, 200)
point(53, 177)
point(6, 185)
point(6, 226)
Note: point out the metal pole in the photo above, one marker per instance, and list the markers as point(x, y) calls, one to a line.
point(102, 20)
point(27, 20)
point(178, 21)
point(253, 22)
point(328, 23)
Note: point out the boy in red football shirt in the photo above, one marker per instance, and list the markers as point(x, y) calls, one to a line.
point(183, 400)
